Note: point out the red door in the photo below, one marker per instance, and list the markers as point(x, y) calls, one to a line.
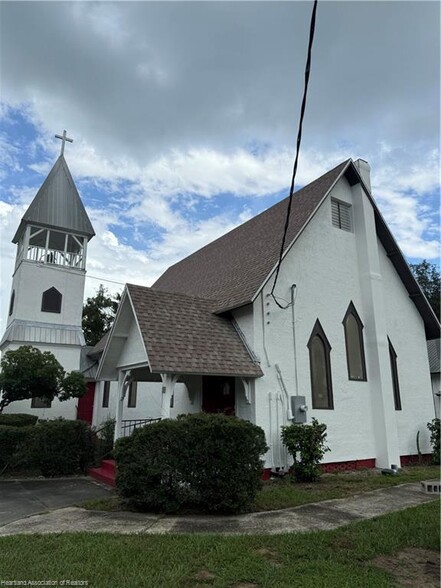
point(85, 404)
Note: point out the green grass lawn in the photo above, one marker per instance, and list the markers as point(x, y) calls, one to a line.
point(333, 559)
point(276, 494)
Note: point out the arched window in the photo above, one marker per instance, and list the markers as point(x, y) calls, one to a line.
point(354, 345)
point(394, 371)
point(51, 301)
point(320, 365)
point(11, 304)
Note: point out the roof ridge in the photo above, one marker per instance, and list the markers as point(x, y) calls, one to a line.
point(257, 216)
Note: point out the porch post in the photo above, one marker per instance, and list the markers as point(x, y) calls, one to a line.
point(168, 385)
point(124, 379)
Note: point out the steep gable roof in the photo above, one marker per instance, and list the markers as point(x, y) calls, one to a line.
point(232, 268)
point(57, 205)
point(182, 335)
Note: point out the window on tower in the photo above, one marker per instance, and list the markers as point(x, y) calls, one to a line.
point(51, 301)
point(11, 304)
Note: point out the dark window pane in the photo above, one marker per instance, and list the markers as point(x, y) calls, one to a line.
point(38, 402)
point(106, 394)
point(394, 371)
point(354, 347)
point(320, 365)
point(131, 403)
point(51, 301)
point(11, 304)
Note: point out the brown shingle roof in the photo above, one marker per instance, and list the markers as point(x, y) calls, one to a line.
point(182, 335)
point(232, 268)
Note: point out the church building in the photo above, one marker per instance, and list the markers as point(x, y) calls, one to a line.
point(342, 338)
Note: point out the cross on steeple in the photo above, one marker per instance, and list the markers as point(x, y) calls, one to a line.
point(63, 138)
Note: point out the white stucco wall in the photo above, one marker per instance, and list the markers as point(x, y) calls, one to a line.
point(324, 266)
point(405, 329)
point(32, 279)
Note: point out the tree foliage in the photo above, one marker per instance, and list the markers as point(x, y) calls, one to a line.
point(28, 372)
point(428, 277)
point(98, 314)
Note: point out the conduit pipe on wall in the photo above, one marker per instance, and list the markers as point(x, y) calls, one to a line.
point(271, 443)
point(293, 299)
point(263, 332)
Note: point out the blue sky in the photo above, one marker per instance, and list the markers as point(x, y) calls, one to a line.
point(184, 117)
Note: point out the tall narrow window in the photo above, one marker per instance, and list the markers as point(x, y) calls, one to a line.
point(341, 215)
point(354, 345)
point(106, 394)
point(131, 402)
point(394, 371)
point(320, 365)
point(11, 304)
point(51, 301)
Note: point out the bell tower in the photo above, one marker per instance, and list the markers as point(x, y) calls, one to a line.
point(48, 281)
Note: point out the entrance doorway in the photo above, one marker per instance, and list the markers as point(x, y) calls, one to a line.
point(85, 404)
point(218, 394)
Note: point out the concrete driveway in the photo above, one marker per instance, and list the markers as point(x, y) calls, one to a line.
point(22, 498)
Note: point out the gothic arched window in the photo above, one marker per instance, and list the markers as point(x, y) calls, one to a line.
point(394, 373)
point(51, 301)
point(354, 345)
point(320, 365)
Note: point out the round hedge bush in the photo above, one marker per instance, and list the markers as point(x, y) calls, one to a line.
point(208, 461)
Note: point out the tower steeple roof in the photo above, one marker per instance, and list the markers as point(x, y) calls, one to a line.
point(57, 205)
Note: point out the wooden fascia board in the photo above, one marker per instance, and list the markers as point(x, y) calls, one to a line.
point(139, 328)
point(109, 339)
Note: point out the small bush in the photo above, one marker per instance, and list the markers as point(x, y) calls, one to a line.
point(62, 447)
point(18, 420)
point(434, 428)
point(15, 445)
point(212, 462)
point(306, 444)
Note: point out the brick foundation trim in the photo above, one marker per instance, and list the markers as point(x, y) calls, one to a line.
point(361, 464)
point(426, 458)
point(348, 466)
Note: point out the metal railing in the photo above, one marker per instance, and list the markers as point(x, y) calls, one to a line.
point(128, 426)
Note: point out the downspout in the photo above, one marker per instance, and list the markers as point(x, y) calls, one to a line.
point(270, 401)
point(285, 391)
point(296, 378)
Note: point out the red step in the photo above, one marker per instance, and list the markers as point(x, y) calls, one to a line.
point(106, 473)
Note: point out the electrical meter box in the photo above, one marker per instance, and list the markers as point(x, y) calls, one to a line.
point(298, 409)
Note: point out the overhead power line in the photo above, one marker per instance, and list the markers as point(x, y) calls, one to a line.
point(299, 140)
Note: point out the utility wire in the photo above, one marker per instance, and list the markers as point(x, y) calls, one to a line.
point(299, 140)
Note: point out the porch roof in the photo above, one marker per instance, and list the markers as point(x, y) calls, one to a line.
point(182, 335)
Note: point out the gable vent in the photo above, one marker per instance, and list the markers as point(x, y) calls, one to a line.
point(341, 215)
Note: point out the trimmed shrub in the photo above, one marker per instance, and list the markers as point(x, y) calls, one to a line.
point(434, 428)
point(18, 420)
point(212, 462)
point(15, 447)
point(62, 447)
point(306, 444)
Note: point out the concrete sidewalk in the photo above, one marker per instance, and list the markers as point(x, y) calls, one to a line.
point(322, 516)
